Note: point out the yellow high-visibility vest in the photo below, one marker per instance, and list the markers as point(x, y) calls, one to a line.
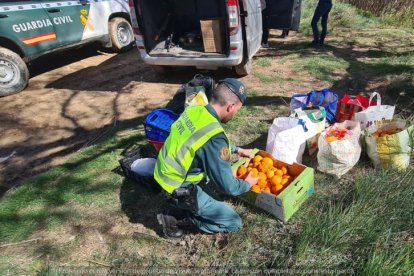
point(189, 133)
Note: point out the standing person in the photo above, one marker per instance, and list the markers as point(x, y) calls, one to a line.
point(265, 25)
point(285, 33)
point(193, 166)
point(321, 11)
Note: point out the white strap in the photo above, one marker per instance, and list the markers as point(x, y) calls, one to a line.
point(378, 100)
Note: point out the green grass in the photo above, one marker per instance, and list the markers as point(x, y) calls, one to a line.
point(322, 67)
point(264, 61)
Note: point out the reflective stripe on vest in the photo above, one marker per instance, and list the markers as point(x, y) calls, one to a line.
point(189, 133)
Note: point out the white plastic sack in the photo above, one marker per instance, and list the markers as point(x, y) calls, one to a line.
point(374, 113)
point(144, 166)
point(317, 116)
point(338, 157)
point(286, 138)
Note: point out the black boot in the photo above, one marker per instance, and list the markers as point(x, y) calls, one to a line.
point(169, 226)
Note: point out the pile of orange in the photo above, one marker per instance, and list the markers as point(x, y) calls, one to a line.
point(384, 133)
point(272, 179)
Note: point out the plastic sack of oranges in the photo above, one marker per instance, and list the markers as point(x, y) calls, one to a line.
point(272, 179)
point(390, 144)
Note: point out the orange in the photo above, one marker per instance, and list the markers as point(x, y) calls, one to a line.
point(262, 183)
point(284, 181)
point(255, 172)
point(279, 172)
point(279, 187)
point(267, 190)
point(270, 174)
point(287, 176)
point(241, 170)
point(262, 168)
point(268, 161)
point(262, 176)
point(276, 180)
point(249, 169)
point(331, 139)
point(284, 170)
point(255, 188)
point(273, 190)
point(257, 158)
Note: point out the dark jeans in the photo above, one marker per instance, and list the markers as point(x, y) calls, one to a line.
point(265, 27)
point(322, 10)
point(285, 33)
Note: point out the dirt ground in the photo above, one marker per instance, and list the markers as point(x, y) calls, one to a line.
point(75, 98)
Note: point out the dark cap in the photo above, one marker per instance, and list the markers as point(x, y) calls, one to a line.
point(237, 87)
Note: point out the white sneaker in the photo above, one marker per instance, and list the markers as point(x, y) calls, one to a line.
point(265, 45)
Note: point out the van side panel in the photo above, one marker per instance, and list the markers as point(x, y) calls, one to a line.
point(252, 13)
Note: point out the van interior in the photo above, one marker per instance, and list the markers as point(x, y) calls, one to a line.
point(176, 27)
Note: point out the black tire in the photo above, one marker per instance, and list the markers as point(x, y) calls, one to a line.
point(14, 75)
point(121, 34)
point(244, 68)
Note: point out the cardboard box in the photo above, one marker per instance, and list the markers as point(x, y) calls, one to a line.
point(212, 35)
point(285, 204)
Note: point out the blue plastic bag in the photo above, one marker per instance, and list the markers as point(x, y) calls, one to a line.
point(325, 98)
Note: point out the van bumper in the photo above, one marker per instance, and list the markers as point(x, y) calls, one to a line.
point(235, 58)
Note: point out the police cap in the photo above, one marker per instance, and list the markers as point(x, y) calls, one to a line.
point(237, 87)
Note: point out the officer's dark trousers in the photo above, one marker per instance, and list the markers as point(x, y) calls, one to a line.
point(265, 27)
point(214, 216)
point(322, 11)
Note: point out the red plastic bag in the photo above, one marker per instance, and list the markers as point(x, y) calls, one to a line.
point(349, 105)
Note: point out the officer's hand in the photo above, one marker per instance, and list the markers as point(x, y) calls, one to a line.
point(252, 180)
point(244, 152)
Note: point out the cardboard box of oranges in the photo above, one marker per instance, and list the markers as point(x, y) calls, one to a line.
point(281, 189)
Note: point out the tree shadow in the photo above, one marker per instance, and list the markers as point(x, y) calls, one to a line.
point(117, 72)
point(56, 60)
point(141, 204)
point(360, 76)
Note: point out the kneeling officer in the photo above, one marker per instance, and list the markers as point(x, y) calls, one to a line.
point(193, 166)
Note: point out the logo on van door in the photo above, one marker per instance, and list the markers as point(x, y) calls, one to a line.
point(85, 19)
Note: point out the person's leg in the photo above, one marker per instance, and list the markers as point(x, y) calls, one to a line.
point(265, 28)
point(324, 23)
point(215, 216)
point(316, 16)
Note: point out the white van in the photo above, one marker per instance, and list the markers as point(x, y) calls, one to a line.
point(181, 32)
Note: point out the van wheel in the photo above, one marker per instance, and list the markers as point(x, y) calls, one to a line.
point(244, 68)
point(121, 34)
point(14, 75)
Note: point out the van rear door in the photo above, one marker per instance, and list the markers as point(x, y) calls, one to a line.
point(252, 14)
point(284, 14)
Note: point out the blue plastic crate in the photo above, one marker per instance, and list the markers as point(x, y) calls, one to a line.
point(158, 123)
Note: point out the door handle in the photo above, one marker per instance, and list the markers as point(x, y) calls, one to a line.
point(3, 15)
point(53, 10)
